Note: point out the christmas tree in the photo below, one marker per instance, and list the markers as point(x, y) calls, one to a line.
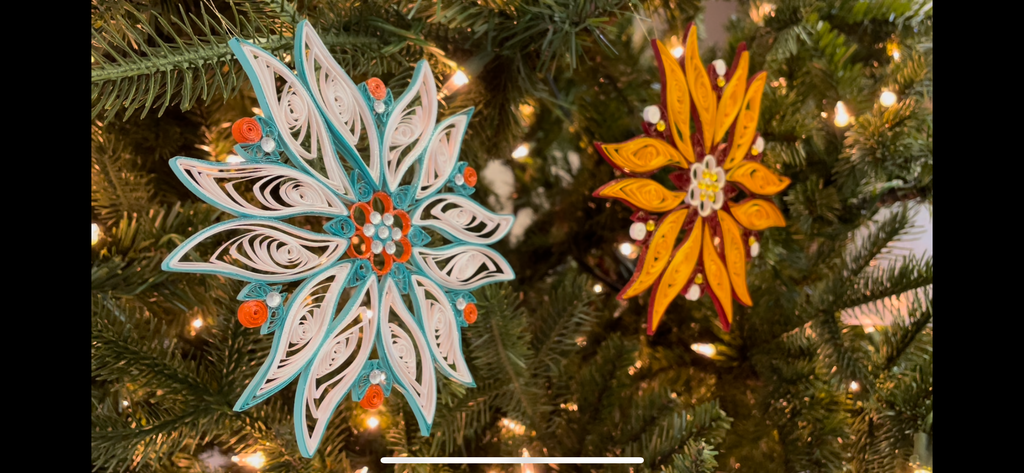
point(829, 370)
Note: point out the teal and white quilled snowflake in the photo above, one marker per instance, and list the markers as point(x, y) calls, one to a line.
point(378, 171)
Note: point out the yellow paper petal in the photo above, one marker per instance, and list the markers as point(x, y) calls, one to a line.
point(677, 101)
point(732, 98)
point(746, 122)
point(657, 254)
point(700, 88)
point(735, 256)
point(643, 194)
point(676, 275)
point(756, 178)
point(642, 155)
point(757, 214)
point(718, 278)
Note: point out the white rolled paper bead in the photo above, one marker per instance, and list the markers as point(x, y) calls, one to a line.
point(693, 292)
point(755, 249)
point(759, 144)
point(274, 299)
point(638, 230)
point(652, 114)
point(719, 66)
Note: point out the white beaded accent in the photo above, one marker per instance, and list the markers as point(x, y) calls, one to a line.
point(719, 66)
point(383, 232)
point(755, 249)
point(396, 233)
point(460, 304)
point(268, 144)
point(459, 179)
point(274, 299)
point(378, 106)
point(638, 230)
point(369, 229)
point(693, 293)
point(376, 376)
point(390, 247)
point(759, 144)
point(652, 114)
point(376, 247)
point(375, 217)
point(388, 219)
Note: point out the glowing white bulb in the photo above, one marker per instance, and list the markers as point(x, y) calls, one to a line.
point(527, 467)
point(628, 249)
point(896, 54)
point(677, 51)
point(521, 151)
point(234, 159)
point(842, 115)
point(372, 422)
point(598, 288)
point(460, 79)
point(363, 470)
point(255, 460)
point(887, 99)
point(257, 111)
point(869, 328)
point(124, 403)
point(854, 386)
point(705, 349)
point(95, 233)
point(197, 322)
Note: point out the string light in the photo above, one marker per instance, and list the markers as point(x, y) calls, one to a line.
point(198, 322)
point(628, 250)
point(842, 115)
point(124, 403)
point(705, 349)
point(257, 111)
point(598, 288)
point(514, 426)
point(234, 159)
point(521, 151)
point(868, 328)
point(677, 51)
point(896, 55)
point(887, 99)
point(675, 46)
point(362, 470)
point(854, 386)
point(95, 233)
point(458, 79)
point(527, 467)
point(255, 460)
point(372, 422)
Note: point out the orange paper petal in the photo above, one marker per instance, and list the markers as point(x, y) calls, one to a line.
point(704, 98)
point(717, 277)
point(641, 155)
point(642, 194)
point(757, 214)
point(735, 257)
point(756, 178)
point(746, 123)
point(676, 96)
point(656, 255)
point(676, 276)
point(732, 98)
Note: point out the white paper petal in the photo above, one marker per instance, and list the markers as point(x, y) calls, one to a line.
point(257, 189)
point(463, 267)
point(304, 132)
point(442, 153)
point(336, 366)
point(410, 125)
point(408, 354)
point(338, 97)
point(461, 218)
point(258, 250)
point(442, 330)
point(307, 318)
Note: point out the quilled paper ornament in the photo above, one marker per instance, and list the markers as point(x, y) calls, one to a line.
point(383, 176)
point(696, 239)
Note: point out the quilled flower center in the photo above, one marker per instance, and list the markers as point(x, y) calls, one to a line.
point(708, 185)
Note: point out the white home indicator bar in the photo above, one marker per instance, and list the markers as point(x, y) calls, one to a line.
point(511, 460)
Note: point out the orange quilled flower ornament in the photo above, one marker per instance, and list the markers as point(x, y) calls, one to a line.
point(718, 234)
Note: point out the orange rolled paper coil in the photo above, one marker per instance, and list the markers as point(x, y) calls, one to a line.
point(377, 89)
point(469, 313)
point(373, 398)
point(247, 130)
point(470, 176)
point(252, 313)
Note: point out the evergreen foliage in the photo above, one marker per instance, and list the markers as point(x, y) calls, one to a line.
point(561, 369)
